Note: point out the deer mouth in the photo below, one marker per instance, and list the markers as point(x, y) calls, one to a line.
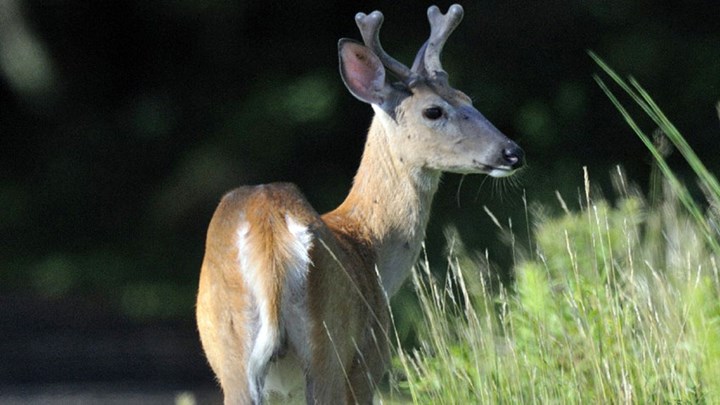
point(500, 171)
point(493, 171)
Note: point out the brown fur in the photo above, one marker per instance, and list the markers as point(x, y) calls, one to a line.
point(348, 309)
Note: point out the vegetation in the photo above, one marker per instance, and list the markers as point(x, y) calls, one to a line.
point(612, 303)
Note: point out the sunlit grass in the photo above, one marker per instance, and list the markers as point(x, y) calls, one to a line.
point(600, 312)
point(616, 301)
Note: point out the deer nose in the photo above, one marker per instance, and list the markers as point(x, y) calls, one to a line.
point(514, 156)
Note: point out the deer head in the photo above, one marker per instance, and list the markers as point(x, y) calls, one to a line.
point(433, 126)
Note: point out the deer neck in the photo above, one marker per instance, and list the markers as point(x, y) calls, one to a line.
point(388, 205)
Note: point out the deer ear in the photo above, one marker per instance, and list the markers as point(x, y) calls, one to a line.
point(362, 72)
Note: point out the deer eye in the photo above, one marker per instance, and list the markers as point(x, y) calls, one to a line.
point(433, 113)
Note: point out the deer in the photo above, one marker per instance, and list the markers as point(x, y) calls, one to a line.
point(289, 296)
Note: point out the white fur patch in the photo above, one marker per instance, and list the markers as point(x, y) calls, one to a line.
point(294, 304)
point(284, 379)
point(243, 245)
point(387, 122)
point(300, 246)
point(266, 340)
point(500, 172)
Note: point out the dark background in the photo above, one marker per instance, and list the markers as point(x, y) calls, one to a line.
point(123, 122)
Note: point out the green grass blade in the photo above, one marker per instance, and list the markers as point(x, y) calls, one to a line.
point(678, 140)
point(642, 99)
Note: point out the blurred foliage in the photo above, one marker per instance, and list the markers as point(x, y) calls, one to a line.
point(123, 123)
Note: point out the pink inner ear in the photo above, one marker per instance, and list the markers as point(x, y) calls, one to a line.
point(364, 72)
point(359, 72)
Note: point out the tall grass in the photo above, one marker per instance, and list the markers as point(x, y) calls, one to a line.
point(705, 179)
point(615, 303)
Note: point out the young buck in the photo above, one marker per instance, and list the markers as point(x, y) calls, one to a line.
point(282, 286)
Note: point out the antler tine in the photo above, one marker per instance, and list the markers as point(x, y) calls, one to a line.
point(441, 26)
point(369, 26)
